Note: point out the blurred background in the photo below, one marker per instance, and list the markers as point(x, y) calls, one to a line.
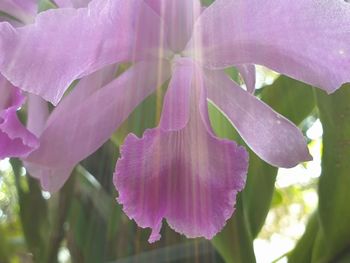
point(277, 218)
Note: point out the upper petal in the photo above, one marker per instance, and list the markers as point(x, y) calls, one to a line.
point(179, 17)
point(271, 136)
point(65, 44)
point(307, 39)
point(53, 178)
point(75, 130)
point(90, 114)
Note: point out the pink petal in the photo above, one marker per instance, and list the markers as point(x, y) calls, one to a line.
point(86, 87)
point(248, 74)
point(179, 17)
point(66, 44)
point(75, 130)
point(271, 136)
point(23, 10)
point(176, 110)
point(187, 176)
point(306, 39)
point(15, 139)
point(51, 179)
point(38, 112)
point(72, 3)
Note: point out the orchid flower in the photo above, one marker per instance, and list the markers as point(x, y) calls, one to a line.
point(15, 139)
point(179, 171)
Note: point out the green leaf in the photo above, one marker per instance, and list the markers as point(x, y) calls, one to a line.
point(4, 246)
point(235, 243)
point(258, 192)
point(221, 125)
point(93, 206)
point(46, 5)
point(207, 2)
point(233, 73)
point(88, 231)
point(33, 212)
point(59, 216)
point(90, 189)
point(101, 164)
point(344, 258)
point(334, 194)
point(302, 253)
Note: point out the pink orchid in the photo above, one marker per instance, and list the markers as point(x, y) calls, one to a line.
point(179, 171)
